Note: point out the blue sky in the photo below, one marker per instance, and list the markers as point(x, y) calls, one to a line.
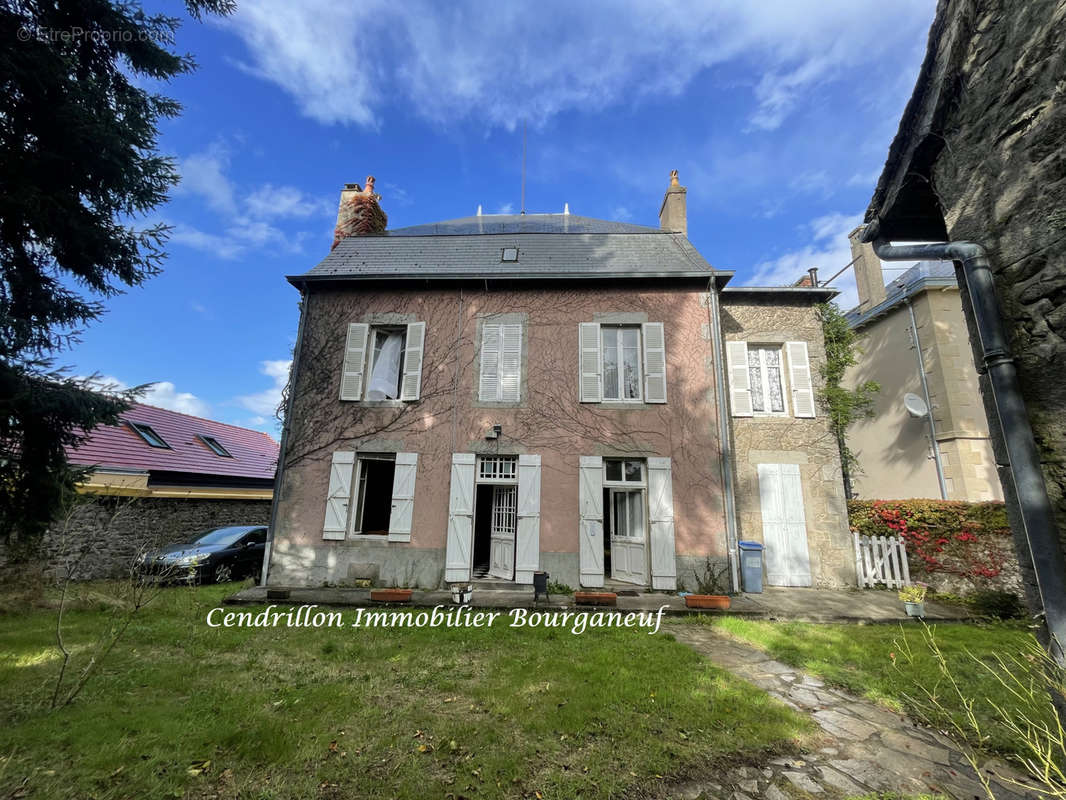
point(777, 114)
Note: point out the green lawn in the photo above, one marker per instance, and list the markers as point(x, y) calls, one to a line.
point(869, 661)
point(405, 713)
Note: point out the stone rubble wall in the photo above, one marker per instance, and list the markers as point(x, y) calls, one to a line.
point(109, 543)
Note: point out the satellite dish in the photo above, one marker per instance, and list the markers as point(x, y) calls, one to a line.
point(915, 405)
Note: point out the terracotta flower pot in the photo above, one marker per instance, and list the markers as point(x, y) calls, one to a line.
point(595, 598)
point(391, 595)
point(707, 601)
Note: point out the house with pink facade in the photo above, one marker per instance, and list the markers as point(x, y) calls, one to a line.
point(491, 396)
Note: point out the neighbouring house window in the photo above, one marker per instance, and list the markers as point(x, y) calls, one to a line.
point(374, 475)
point(215, 446)
point(149, 435)
point(764, 374)
point(386, 359)
point(621, 362)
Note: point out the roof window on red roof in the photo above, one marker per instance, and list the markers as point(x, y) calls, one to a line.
point(214, 445)
point(149, 435)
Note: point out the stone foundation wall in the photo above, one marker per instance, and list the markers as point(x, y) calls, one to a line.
point(108, 533)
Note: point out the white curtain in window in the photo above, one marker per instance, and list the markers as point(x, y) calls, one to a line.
point(385, 378)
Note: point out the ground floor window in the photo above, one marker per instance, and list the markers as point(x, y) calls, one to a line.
point(374, 476)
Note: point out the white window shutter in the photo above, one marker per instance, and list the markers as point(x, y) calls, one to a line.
point(661, 519)
point(411, 389)
point(591, 380)
point(489, 390)
point(800, 377)
point(403, 497)
point(590, 486)
point(654, 362)
point(527, 544)
point(460, 519)
point(339, 495)
point(510, 363)
point(354, 361)
point(739, 380)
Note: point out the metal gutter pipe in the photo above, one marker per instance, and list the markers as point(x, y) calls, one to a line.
point(1034, 505)
point(928, 403)
point(725, 438)
point(285, 425)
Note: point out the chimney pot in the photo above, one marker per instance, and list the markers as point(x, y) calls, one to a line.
point(672, 213)
point(359, 213)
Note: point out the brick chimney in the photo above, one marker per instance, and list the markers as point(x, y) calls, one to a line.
point(359, 213)
point(869, 280)
point(672, 213)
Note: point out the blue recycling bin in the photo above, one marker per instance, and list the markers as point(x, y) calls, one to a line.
point(751, 566)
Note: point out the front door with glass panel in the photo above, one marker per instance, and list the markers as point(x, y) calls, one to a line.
point(624, 495)
point(502, 534)
point(495, 517)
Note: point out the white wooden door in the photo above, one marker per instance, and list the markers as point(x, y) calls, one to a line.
point(502, 532)
point(590, 532)
point(784, 526)
point(628, 536)
point(460, 519)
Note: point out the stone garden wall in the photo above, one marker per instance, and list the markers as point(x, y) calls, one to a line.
point(109, 532)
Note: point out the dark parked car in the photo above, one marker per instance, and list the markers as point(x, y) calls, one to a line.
point(217, 555)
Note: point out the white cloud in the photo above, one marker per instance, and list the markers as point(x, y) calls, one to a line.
point(339, 63)
point(248, 224)
point(506, 208)
point(264, 403)
point(269, 201)
point(203, 175)
point(828, 250)
point(622, 214)
point(163, 394)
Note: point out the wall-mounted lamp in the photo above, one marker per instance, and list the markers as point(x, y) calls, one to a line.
point(495, 432)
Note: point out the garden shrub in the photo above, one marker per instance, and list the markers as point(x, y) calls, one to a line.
point(971, 540)
point(1001, 605)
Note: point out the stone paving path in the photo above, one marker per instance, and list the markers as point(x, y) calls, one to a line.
point(864, 748)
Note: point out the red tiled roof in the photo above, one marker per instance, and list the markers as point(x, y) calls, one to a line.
point(255, 454)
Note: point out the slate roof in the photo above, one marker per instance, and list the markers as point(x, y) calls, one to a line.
point(549, 246)
point(922, 275)
point(254, 453)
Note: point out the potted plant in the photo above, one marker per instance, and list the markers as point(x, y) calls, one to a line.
point(711, 591)
point(913, 598)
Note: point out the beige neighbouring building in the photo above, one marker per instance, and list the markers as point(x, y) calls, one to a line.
point(916, 324)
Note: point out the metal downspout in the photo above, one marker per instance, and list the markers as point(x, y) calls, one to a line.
point(725, 437)
point(1034, 505)
point(928, 403)
point(280, 471)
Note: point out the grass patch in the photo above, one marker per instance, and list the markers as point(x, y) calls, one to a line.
point(860, 659)
point(403, 713)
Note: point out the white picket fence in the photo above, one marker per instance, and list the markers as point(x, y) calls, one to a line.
point(881, 560)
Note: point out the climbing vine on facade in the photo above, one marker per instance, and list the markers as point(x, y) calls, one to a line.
point(843, 406)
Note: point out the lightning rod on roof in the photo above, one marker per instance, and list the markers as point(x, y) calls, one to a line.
point(479, 209)
point(566, 209)
point(523, 167)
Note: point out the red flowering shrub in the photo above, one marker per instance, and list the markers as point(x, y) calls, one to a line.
point(967, 539)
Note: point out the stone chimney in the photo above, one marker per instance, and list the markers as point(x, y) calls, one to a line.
point(672, 213)
point(359, 213)
point(869, 279)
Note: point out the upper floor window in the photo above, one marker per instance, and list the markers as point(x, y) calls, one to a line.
point(383, 362)
point(501, 363)
point(149, 435)
point(622, 363)
point(767, 384)
point(758, 374)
